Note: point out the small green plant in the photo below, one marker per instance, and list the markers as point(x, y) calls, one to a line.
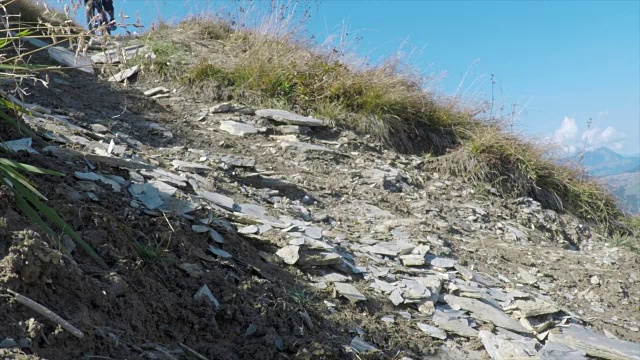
point(631, 242)
point(170, 57)
point(155, 253)
point(214, 30)
point(206, 72)
point(301, 296)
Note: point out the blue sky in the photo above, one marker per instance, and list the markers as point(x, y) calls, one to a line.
point(567, 61)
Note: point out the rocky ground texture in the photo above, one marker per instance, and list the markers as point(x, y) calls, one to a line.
point(233, 233)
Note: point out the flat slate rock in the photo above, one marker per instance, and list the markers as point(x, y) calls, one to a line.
point(289, 117)
point(453, 324)
point(219, 252)
point(238, 128)
point(596, 345)
point(105, 160)
point(70, 59)
point(289, 254)
point(362, 346)
point(314, 232)
point(97, 177)
point(223, 201)
point(19, 145)
point(304, 147)
point(125, 74)
point(485, 312)
point(248, 230)
point(216, 236)
point(499, 348)
point(391, 248)
point(156, 91)
point(190, 166)
point(412, 260)
point(235, 160)
point(396, 297)
point(319, 258)
point(113, 55)
point(205, 293)
point(442, 262)
point(255, 211)
point(349, 291)
point(535, 307)
point(199, 228)
point(433, 331)
point(293, 129)
point(335, 277)
point(155, 194)
point(556, 351)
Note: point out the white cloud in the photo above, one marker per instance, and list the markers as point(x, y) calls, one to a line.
point(567, 139)
point(567, 131)
point(610, 137)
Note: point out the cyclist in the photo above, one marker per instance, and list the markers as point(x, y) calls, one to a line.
point(90, 5)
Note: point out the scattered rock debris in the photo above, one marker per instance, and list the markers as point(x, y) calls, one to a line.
point(411, 256)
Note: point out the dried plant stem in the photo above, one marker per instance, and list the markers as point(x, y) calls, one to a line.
point(193, 352)
point(46, 313)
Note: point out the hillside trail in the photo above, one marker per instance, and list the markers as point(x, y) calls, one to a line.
point(235, 232)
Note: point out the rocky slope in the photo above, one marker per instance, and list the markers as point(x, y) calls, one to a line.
point(618, 173)
point(626, 187)
point(236, 233)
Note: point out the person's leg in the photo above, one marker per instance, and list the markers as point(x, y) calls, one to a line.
point(87, 10)
point(108, 7)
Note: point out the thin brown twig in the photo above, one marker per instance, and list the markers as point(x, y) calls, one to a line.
point(40, 309)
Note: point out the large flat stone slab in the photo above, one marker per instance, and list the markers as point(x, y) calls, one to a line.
point(289, 117)
point(190, 166)
point(454, 324)
point(304, 147)
point(485, 312)
point(68, 58)
point(557, 351)
point(114, 55)
point(223, 201)
point(596, 345)
point(391, 248)
point(125, 74)
point(501, 348)
point(349, 291)
point(237, 128)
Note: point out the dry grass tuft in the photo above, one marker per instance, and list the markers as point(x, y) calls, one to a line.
point(28, 13)
point(523, 169)
point(385, 100)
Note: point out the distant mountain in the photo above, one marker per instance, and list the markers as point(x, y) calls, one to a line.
point(618, 173)
point(626, 188)
point(603, 162)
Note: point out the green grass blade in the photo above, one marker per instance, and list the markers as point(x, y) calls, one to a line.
point(28, 210)
point(25, 32)
point(11, 105)
point(32, 215)
point(29, 168)
point(51, 215)
point(15, 123)
point(10, 172)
